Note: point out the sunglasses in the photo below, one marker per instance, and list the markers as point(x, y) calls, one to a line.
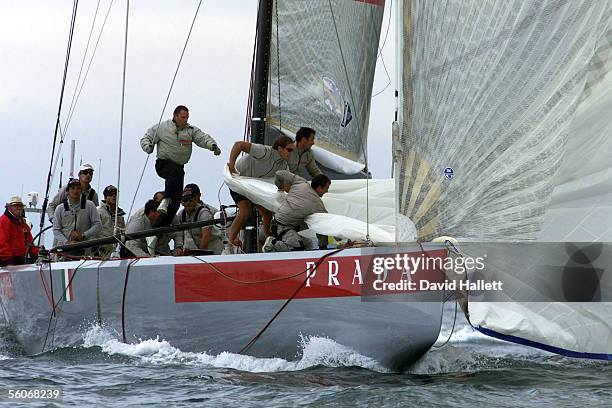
point(188, 199)
point(289, 149)
point(88, 172)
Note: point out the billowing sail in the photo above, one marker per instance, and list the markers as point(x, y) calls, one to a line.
point(323, 57)
point(508, 137)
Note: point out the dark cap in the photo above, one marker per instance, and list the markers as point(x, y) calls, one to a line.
point(191, 190)
point(193, 187)
point(73, 181)
point(108, 190)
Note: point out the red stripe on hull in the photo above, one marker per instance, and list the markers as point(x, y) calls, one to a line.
point(335, 277)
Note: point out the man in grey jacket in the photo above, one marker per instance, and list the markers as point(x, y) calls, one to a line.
point(143, 220)
point(76, 218)
point(194, 210)
point(302, 200)
point(302, 159)
point(107, 217)
point(85, 176)
point(174, 139)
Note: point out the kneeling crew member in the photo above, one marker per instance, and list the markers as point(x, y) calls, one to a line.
point(302, 200)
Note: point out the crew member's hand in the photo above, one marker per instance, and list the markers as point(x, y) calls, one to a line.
point(232, 169)
point(179, 252)
point(216, 150)
point(75, 236)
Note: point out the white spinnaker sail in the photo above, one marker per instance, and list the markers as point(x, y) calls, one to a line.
point(507, 135)
point(323, 57)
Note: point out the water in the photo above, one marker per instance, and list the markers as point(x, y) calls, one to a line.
point(471, 370)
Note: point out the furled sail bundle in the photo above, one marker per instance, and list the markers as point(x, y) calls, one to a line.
point(323, 57)
point(507, 136)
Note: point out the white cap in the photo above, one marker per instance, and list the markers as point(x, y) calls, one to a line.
point(86, 166)
point(15, 200)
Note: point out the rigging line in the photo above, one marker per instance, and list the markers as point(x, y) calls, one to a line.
point(248, 122)
point(278, 312)
point(363, 149)
point(127, 275)
point(280, 114)
point(72, 102)
point(56, 304)
point(59, 111)
point(125, 48)
point(75, 100)
point(452, 329)
point(93, 54)
point(388, 78)
point(380, 50)
point(165, 104)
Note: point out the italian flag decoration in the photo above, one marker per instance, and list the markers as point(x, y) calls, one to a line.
point(66, 284)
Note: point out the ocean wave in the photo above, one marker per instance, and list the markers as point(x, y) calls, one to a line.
point(315, 351)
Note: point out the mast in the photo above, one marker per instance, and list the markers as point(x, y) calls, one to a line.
point(262, 70)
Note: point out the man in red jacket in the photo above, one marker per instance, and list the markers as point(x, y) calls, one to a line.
point(16, 245)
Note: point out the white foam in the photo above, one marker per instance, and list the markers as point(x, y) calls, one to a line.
point(315, 351)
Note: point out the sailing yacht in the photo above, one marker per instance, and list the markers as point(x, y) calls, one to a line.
point(255, 303)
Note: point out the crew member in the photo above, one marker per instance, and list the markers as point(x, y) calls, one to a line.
point(174, 139)
point(85, 176)
point(302, 159)
point(76, 218)
point(109, 212)
point(143, 220)
point(260, 162)
point(194, 210)
point(16, 246)
point(302, 200)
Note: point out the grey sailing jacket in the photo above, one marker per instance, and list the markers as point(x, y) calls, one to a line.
point(174, 144)
point(303, 160)
point(301, 201)
point(86, 220)
point(61, 196)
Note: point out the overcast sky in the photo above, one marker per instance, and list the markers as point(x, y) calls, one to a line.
point(212, 82)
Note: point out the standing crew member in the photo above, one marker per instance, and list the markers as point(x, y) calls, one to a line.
point(302, 159)
point(173, 139)
point(260, 162)
point(15, 235)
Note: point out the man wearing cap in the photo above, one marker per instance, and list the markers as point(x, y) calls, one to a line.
point(174, 139)
point(107, 217)
point(85, 175)
point(302, 159)
point(197, 238)
point(143, 220)
point(16, 246)
point(76, 218)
